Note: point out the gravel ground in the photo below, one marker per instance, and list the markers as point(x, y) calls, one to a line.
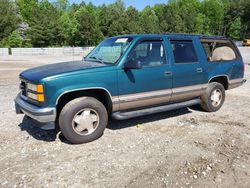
point(181, 148)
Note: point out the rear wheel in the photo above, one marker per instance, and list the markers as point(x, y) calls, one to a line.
point(214, 97)
point(83, 120)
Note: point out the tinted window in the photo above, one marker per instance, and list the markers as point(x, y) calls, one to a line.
point(149, 53)
point(184, 52)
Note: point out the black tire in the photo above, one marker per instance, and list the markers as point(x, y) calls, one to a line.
point(207, 103)
point(70, 111)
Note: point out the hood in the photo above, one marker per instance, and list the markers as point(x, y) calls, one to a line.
point(38, 73)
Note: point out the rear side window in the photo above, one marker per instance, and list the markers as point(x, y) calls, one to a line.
point(219, 50)
point(184, 51)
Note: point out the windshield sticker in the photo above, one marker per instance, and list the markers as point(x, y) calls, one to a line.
point(121, 40)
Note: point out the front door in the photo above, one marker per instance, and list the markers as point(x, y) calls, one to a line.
point(150, 85)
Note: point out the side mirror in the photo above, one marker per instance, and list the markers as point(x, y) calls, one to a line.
point(131, 64)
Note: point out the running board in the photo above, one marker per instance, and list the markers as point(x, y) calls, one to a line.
point(153, 110)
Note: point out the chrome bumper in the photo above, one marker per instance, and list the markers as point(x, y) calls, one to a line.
point(43, 115)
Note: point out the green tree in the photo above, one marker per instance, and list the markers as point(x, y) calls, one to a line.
point(214, 11)
point(131, 20)
point(200, 24)
point(87, 24)
point(8, 18)
point(173, 22)
point(233, 10)
point(112, 19)
point(149, 21)
point(26, 8)
point(15, 40)
point(246, 19)
point(45, 28)
point(58, 23)
point(69, 28)
point(235, 29)
point(62, 5)
point(160, 13)
point(189, 11)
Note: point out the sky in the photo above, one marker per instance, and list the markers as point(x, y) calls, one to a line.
point(139, 4)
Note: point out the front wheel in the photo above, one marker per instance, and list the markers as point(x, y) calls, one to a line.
point(213, 98)
point(83, 120)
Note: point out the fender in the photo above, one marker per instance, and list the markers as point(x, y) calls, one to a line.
point(83, 89)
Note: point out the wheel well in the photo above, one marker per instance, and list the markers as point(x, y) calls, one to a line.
point(222, 80)
point(99, 94)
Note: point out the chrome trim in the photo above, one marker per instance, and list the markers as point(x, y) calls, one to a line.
point(43, 115)
point(114, 99)
point(219, 76)
point(79, 89)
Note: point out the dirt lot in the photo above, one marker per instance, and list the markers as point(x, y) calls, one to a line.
point(182, 148)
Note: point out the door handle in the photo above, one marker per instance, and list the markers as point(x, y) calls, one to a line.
point(199, 70)
point(168, 73)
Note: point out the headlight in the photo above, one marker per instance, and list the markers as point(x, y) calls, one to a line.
point(37, 88)
point(37, 97)
point(35, 92)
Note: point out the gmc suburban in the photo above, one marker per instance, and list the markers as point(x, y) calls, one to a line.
point(130, 76)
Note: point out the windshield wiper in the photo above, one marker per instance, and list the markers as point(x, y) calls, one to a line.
point(97, 58)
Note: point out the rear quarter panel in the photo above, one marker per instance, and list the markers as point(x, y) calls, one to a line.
point(233, 69)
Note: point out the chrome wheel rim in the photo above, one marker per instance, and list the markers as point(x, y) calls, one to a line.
point(216, 97)
point(86, 121)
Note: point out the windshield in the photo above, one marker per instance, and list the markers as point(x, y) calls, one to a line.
point(110, 50)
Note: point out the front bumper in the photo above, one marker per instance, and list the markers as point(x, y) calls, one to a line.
point(43, 115)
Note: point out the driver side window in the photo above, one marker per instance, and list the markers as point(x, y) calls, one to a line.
point(149, 53)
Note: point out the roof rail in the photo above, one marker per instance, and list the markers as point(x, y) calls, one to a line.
point(197, 35)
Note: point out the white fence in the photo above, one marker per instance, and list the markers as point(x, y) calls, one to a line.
point(52, 51)
point(4, 51)
point(245, 51)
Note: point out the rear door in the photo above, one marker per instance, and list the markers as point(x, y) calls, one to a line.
point(189, 78)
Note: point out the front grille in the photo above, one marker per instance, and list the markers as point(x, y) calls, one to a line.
point(23, 88)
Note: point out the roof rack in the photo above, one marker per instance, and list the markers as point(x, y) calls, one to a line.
point(197, 35)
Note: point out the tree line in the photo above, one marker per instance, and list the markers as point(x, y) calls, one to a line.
point(42, 23)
